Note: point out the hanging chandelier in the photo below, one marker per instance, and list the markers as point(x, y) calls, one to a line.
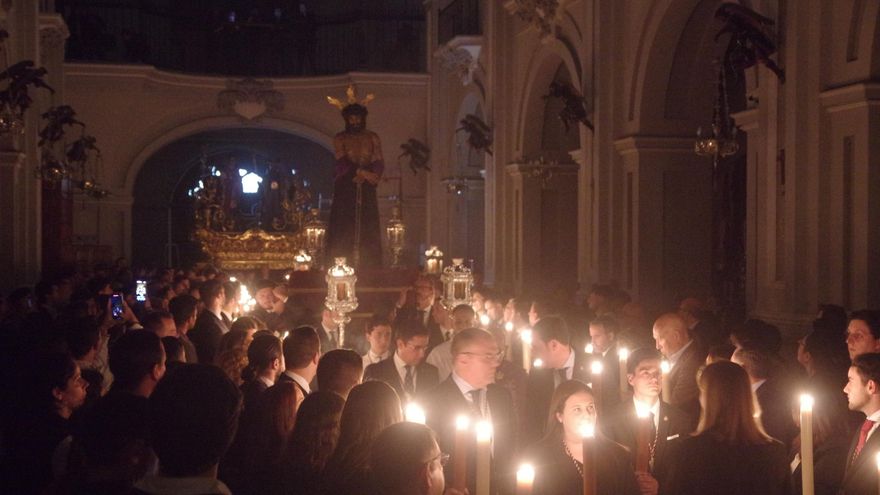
point(722, 140)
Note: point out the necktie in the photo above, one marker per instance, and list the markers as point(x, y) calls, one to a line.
point(409, 385)
point(477, 402)
point(863, 437)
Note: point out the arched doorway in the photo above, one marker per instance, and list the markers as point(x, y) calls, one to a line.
point(162, 210)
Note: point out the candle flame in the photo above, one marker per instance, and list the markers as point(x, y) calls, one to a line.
point(462, 423)
point(526, 336)
point(484, 320)
point(807, 402)
point(587, 429)
point(508, 326)
point(538, 363)
point(233, 279)
point(623, 353)
point(641, 411)
point(665, 367)
point(878, 461)
point(287, 277)
point(414, 413)
point(484, 431)
point(286, 333)
point(588, 349)
point(596, 367)
point(525, 474)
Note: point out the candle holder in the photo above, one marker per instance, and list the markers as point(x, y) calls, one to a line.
point(341, 297)
point(433, 261)
point(457, 282)
point(315, 231)
point(302, 262)
point(395, 235)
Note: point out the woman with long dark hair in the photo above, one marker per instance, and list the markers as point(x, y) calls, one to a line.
point(313, 439)
point(729, 453)
point(558, 458)
point(273, 422)
point(371, 407)
point(265, 362)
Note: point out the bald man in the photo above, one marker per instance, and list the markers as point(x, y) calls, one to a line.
point(673, 341)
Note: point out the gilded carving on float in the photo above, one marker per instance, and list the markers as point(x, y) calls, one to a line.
point(254, 248)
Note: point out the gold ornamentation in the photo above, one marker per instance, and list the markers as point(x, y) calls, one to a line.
point(254, 248)
point(351, 97)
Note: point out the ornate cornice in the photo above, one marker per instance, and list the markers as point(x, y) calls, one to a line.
point(250, 98)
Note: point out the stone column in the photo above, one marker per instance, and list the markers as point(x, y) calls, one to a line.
point(544, 225)
point(667, 220)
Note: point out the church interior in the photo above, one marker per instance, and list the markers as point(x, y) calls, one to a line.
point(670, 148)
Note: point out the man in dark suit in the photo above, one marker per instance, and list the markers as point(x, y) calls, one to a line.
point(421, 310)
point(406, 370)
point(551, 343)
point(771, 393)
point(668, 423)
point(209, 328)
point(863, 395)
point(470, 391)
point(703, 328)
point(328, 332)
point(302, 350)
point(685, 357)
point(603, 335)
point(264, 295)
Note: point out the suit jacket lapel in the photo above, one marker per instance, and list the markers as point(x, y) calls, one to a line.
point(868, 452)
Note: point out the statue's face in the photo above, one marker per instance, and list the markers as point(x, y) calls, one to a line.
point(354, 123)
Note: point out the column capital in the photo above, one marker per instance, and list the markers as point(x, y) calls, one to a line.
point(662, 144)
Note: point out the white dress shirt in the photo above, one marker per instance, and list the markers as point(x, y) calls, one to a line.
point(299, 380)
point(372, 358)
point(441, 358)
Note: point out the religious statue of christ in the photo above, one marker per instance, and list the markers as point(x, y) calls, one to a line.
point(353, 230)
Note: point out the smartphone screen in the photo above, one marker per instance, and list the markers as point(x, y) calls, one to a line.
point(116, 306)
point(140, 291)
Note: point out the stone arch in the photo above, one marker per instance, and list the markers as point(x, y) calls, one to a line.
point(542, 69)
point(150, 146)
point(677, 39)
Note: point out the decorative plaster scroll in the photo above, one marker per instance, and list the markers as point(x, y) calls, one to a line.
point(542, 15)
point(250, 98)
point(461, 56)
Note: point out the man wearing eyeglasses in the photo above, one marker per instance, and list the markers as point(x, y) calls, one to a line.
point(406, 460)
point(405, 371)
point(470, 391)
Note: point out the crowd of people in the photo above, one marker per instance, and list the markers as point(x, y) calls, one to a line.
point(189, 391)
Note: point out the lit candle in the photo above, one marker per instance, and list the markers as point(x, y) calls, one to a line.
point(525, 478)
point(286, 334)
point(538, 363)
point(484, 320)
point(807, 444)
point(643, 439)
point(414, 413)
point(588, 349)
point(665, 368)
point(623, 355)
point(484, 437)
point(526, 336)
point(878, 468)
point(459, 459)
point(596, 370)
point(588, 442)
point(233, 279)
